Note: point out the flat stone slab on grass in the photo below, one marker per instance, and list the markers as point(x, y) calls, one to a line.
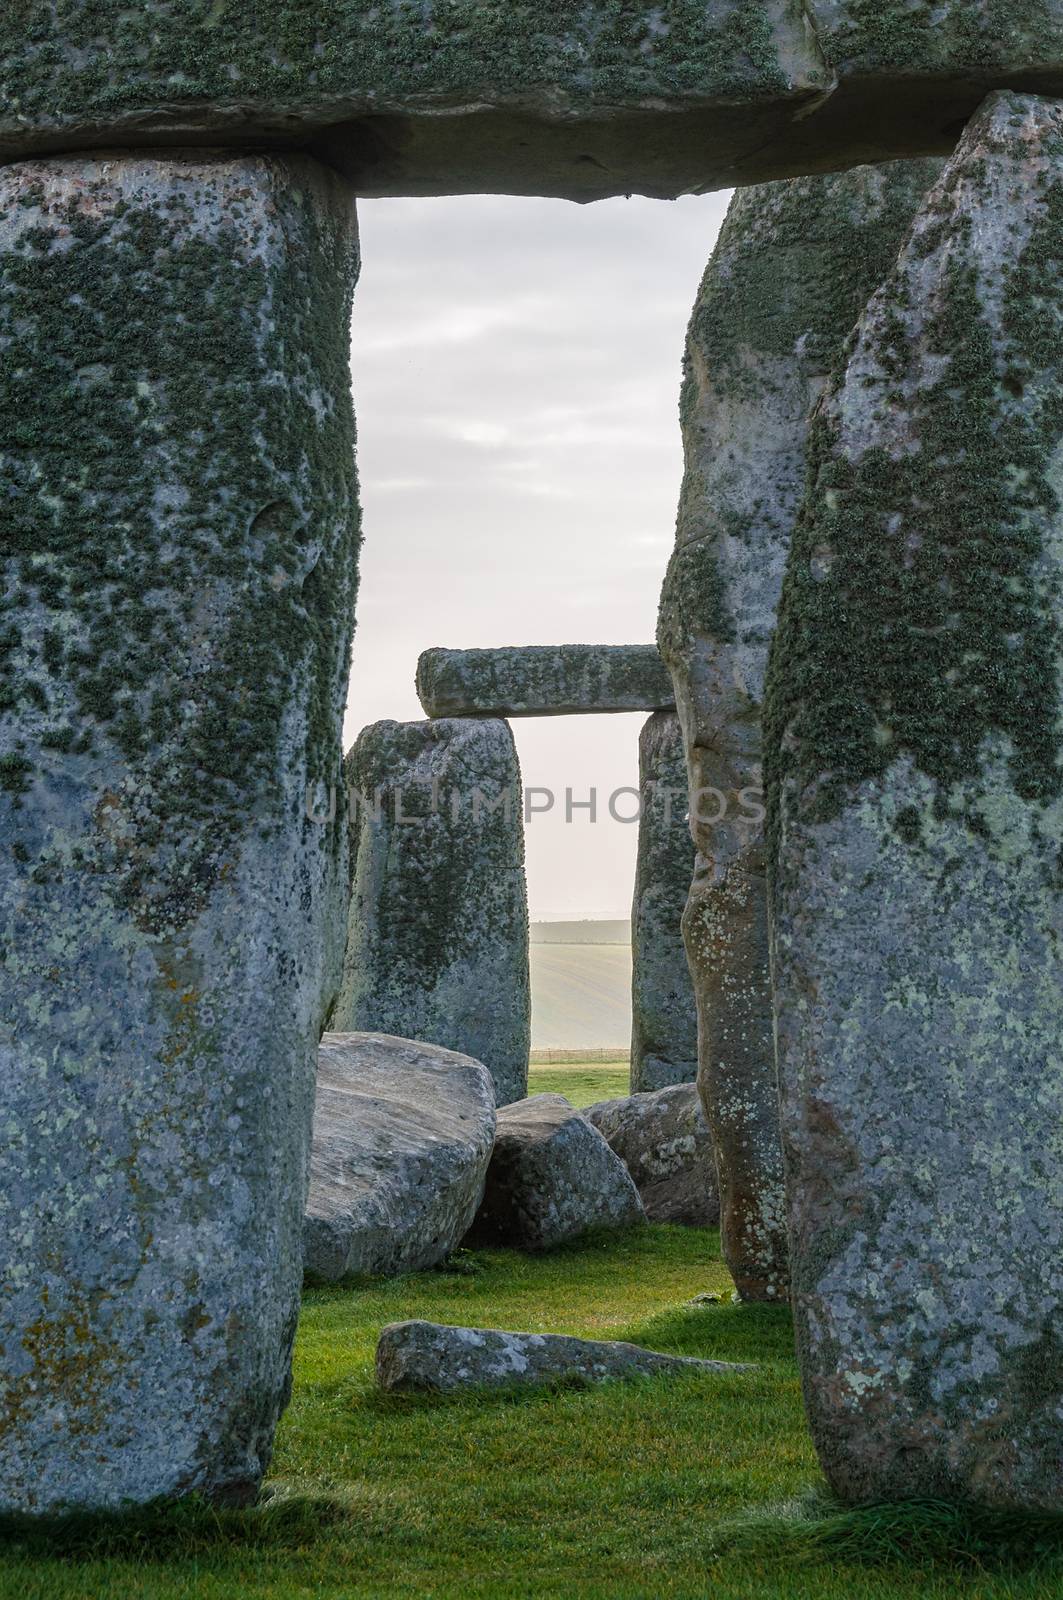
point(552, 680)
point(664, 1142)
point(429, 1357)
point(402, 1137)
point(552, 1178)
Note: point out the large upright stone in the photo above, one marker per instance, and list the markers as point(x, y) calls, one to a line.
point(548, 680)
point(437, 945)
point(913, 728)
point(178, 538)
point(794, 265)
point(523, 96)
point(664, 1017)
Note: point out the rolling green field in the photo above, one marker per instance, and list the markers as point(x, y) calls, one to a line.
point(627, 1492)
point(581, 995)
point(583, 1082)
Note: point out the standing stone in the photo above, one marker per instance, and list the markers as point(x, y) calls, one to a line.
point(795, 264)
point(913, 733)
point(437, 946)
point(664, 1017)
point(178, 528)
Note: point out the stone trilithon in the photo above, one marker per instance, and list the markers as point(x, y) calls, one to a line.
point(794, 265)
point(913, 734)
point(178, 528)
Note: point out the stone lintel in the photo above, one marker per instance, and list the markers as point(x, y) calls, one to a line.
point(552, 680)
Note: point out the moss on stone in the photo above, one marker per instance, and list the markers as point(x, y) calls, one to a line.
point(915, 619)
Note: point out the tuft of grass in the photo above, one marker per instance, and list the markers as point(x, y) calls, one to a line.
point(818, 1531)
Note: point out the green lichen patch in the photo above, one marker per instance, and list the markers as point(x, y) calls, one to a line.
point(920, 613)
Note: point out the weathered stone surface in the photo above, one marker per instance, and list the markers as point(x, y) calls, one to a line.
point(178, 535)
point(429, 1357)
point(550, 680)
point(403, 1133)
point(794, 265)
point(443, 96)
point(664, 1142)
point(552, 1177)
point(912, 731)
point(437, 945)
point(664, 1016)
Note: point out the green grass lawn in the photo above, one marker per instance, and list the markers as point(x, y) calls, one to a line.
point(614, 1493)
point(584, 1082)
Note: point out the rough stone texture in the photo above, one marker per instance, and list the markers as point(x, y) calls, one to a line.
point(550, 680)
point(437, 947)
point(664, 1016)
point(429, 1357)
point(794, 265)
point(403, 1133)
point(443, 96)
point(552, 1177)
point(664, 1142)
point(178, 528)
point(913, 736)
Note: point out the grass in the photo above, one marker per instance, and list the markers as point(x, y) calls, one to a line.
point(584, 1082)
point(660, 1490)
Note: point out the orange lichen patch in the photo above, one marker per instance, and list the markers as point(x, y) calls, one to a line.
point(73, 1367)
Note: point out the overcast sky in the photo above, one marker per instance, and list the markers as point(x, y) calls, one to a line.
point(516, 374)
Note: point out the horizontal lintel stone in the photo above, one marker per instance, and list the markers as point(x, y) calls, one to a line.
point(452, 96)
point(552, 680)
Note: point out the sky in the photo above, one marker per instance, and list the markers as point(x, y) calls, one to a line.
point(516, 373)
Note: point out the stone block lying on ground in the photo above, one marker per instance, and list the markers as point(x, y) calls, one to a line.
point(550, 680)
point(552, 1177)
point(429, 1357)
point(664, 1142)
point(403, 1134)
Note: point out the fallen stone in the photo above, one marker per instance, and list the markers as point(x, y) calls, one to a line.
point(429, 1357)
point(179, 534)
point(403, 1133)
point(437, 944)
point(664, 1142)
point(543, 681)
point(913, 732)
point(458, 96)
point(664, 1015)
point(552, 1178)
point(757, 358)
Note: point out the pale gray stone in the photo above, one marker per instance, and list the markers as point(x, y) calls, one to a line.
point(403, 1133)
point(664, 1016)
point(913, 728)
point(550, 680)
point(664, 1142)
point(552, 1178)
point(608, 97)
point(432, 1358)
point(437, 945)
point(794, 265)
point(178, 538)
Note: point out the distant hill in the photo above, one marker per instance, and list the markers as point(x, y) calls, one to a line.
point(581, 932)
point(581, 985)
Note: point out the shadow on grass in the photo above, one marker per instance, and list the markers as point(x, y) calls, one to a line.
point(914, 1533)
point(284, 1519)
point(727, 1332)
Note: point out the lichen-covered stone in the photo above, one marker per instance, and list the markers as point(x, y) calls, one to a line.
point(403, 1133)
point(913, 740)
point(552, 1178)
point(550, 680)
point(664, 1142)
point(794, 266)
point(523, 96)
point(432, 1358)
point(664, 1018)
point(437, 946)
point(178, 539)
